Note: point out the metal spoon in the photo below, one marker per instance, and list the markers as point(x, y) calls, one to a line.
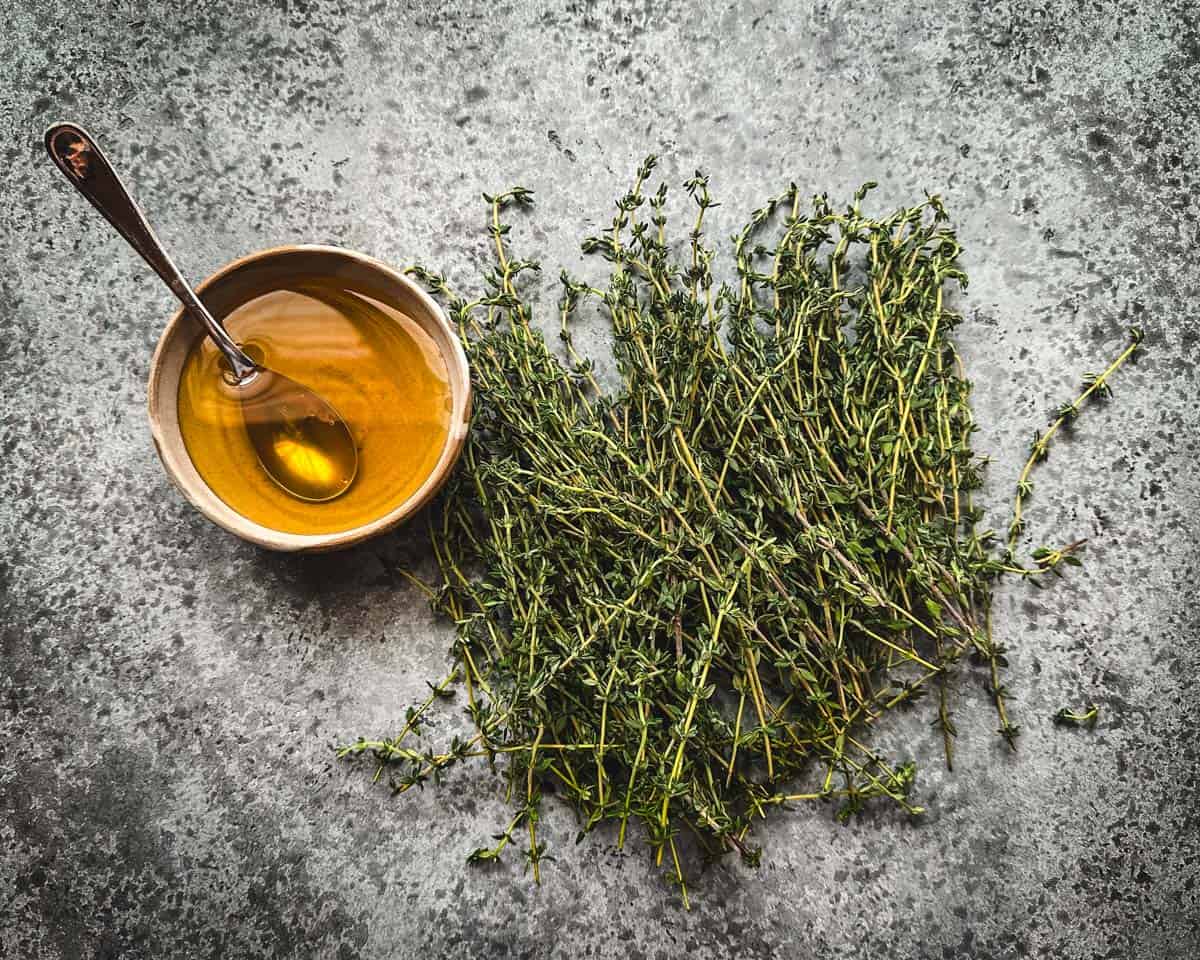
point(301, 440)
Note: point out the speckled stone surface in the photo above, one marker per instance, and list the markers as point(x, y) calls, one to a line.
point(169, 695)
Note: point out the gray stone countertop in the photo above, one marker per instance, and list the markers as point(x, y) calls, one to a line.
point(169, 695)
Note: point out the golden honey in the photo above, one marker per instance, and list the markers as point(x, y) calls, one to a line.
point(375, 365)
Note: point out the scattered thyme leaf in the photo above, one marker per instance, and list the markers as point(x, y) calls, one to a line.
point(1087, 717)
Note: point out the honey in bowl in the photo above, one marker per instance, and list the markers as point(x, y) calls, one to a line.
point(377, 367)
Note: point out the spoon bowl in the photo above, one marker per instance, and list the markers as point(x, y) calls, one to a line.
point(301, 441)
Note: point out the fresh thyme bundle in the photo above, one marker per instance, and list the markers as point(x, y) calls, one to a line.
point(677, 602)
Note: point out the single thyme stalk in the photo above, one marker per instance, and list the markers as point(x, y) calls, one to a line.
point(684, 604)
point(1095, 387)
point(1087, 717)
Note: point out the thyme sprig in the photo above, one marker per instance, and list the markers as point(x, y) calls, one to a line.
point(683, 604)
point(1086, 717)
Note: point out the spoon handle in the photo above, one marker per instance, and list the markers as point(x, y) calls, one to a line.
point(84, 165)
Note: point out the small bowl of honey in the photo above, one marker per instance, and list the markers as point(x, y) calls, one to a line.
point(356, 332)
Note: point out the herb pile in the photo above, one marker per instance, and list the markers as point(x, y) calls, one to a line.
point(677, 602)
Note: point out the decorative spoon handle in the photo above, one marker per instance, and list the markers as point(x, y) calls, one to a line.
point(76, 154)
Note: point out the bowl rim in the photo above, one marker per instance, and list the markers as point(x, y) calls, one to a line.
point(178, 464)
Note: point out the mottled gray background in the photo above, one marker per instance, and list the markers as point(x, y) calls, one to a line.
point(169, 695)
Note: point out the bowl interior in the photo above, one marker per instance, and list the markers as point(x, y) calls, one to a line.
point(261, 273)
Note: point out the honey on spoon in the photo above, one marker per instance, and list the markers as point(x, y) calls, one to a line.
point(300, 440)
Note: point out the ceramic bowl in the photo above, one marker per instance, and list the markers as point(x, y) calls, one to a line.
point(253, 276)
